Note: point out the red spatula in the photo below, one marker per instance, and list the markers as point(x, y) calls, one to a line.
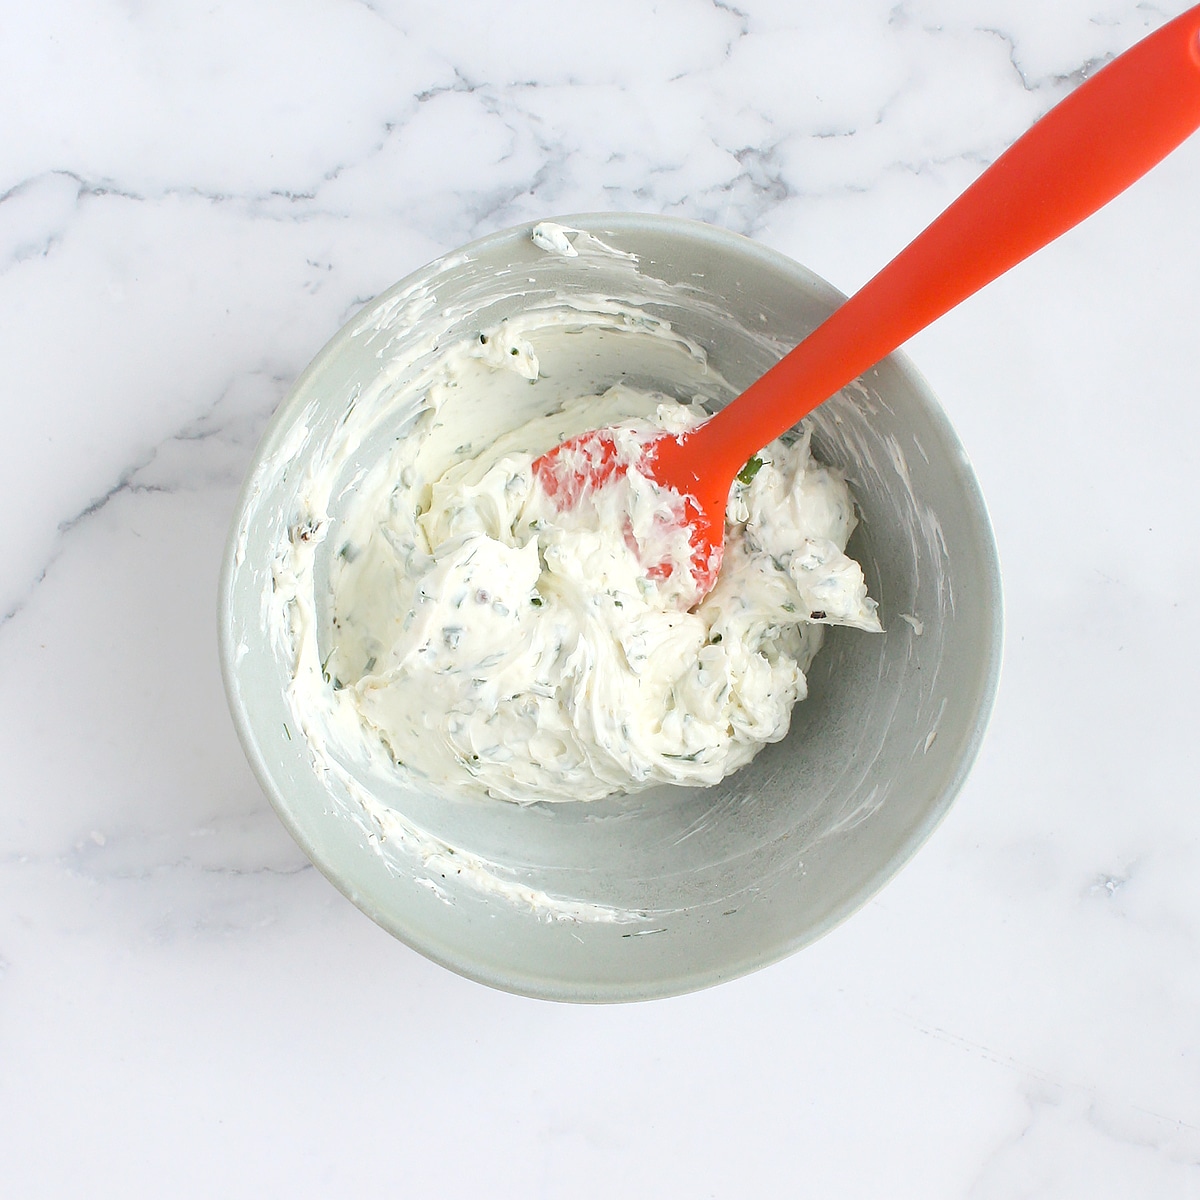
point(1089, 148)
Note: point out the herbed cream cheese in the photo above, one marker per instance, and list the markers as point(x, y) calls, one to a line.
point(495, 645)
point(447, 625)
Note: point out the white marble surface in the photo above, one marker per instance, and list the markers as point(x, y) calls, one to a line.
point(193, 197)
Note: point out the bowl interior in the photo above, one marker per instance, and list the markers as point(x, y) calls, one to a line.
point(673, 888)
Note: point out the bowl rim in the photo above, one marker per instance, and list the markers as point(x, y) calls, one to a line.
point(545, 986)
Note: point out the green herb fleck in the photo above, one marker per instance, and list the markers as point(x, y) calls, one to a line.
point(536, 601)
point(752, 468)
point(716, 637)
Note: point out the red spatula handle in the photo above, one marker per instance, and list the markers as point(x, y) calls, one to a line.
point(1089, 148)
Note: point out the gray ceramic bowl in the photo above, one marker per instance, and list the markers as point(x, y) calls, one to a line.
point(671, 889)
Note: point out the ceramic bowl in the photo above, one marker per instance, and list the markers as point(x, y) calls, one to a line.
point(670, 889)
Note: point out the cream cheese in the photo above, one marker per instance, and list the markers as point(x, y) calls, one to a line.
point(494, 644)
point(465, 635)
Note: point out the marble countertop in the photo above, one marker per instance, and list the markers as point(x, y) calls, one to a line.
point(193, 198)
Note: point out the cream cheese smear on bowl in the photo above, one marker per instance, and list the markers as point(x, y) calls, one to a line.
point(492, 645)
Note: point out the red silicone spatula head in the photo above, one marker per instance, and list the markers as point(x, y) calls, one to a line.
point(573, 471)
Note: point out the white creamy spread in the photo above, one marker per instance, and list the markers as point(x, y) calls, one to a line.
point(495, 644)
point(448, 623)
